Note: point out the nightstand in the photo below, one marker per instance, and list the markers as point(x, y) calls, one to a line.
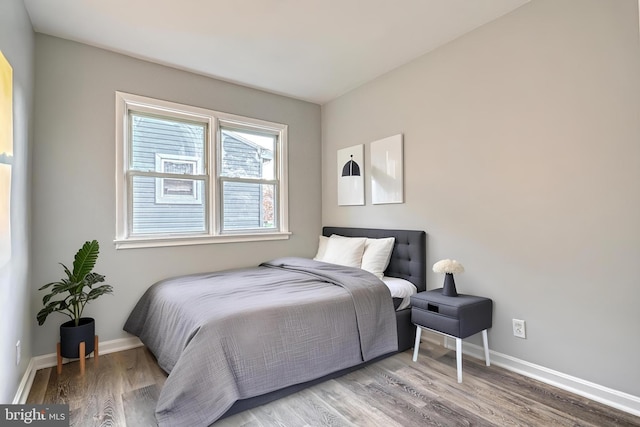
point(456, 317)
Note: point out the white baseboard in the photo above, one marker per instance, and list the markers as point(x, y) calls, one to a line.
point(25, 384)
point(51, 359)
point(617, 399)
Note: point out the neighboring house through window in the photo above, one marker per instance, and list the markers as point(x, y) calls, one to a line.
point(188, 175)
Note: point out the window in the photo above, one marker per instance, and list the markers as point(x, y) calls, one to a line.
point(177, 191)
point(187, 175)
point(248, 180)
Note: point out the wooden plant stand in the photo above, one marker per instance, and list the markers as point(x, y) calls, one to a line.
point(82, 355)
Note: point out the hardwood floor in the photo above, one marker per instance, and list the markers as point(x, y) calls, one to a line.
point(123, 390)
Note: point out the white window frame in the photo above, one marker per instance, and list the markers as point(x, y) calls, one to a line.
point(125, 103)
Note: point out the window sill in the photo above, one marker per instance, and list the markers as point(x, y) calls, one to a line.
point(155, 242)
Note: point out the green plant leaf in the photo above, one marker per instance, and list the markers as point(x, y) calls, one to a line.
point(47, 297)
point(42, 316)
point(67, 271)
point(63, 286)
point(93, 278)
point(50, 308)
point(85, 260)
point(100, 290)
point(47, 285)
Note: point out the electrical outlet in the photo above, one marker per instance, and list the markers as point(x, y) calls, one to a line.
point(18, 353)
point(519, 328)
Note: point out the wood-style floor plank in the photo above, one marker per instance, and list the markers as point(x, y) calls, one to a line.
point(394, 392)
point(472, 395)
point(347, 403)
point(39, 387)
point(475, 395)
point(242, 419)
point(590, 412)
point(316, 411)
point(137, 403)
point(441, 411)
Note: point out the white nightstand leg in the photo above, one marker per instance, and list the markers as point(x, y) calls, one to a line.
point(459, 358)
point(416, 346)
point(485, 341)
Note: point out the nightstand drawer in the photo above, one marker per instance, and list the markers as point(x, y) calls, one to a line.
point(435, 321)
point(436, 307)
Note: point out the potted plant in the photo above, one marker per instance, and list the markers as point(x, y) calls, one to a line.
point(70, 295)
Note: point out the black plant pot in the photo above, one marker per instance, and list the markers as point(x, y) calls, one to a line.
point(71, 336)
point(449, 287)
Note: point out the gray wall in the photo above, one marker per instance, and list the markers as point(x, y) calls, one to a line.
point(522, 161)
point(17, 44)
point(74, 175)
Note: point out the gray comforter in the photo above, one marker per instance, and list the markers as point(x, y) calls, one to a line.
point(237, 334)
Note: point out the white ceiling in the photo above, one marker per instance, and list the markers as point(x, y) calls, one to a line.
point(315, 50)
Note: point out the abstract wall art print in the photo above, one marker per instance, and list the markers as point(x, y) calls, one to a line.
point(351, 176)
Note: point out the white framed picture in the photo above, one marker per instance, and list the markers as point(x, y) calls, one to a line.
point(387, 170)
point(351, 176)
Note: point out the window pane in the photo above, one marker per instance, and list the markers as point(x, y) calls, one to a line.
point(248, 206)
point(178, 187)
point(247, 155)
point(153, 215)
point(176, 166)
point(154, 138)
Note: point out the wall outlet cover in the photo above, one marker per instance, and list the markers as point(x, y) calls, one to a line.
point(519, 328)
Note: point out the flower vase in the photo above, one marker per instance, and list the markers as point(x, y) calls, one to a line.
point(449, 287)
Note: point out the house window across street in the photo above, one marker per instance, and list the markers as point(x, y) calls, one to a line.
point(173, 190)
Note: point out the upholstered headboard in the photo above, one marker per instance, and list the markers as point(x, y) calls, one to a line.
point(409, 256)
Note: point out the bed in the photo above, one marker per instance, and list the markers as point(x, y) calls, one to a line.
point(237, 339)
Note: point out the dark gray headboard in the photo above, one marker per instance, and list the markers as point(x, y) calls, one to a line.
point(409, 256)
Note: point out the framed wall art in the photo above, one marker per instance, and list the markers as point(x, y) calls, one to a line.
point(387, 170)
point(351, 176)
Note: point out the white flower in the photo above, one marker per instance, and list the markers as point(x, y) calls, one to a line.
point(448, 266)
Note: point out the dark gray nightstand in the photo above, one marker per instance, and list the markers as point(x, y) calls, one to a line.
point(457, 317)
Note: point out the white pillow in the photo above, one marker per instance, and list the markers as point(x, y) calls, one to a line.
point(322, 248)
point(377, 254)
point(344, 251)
